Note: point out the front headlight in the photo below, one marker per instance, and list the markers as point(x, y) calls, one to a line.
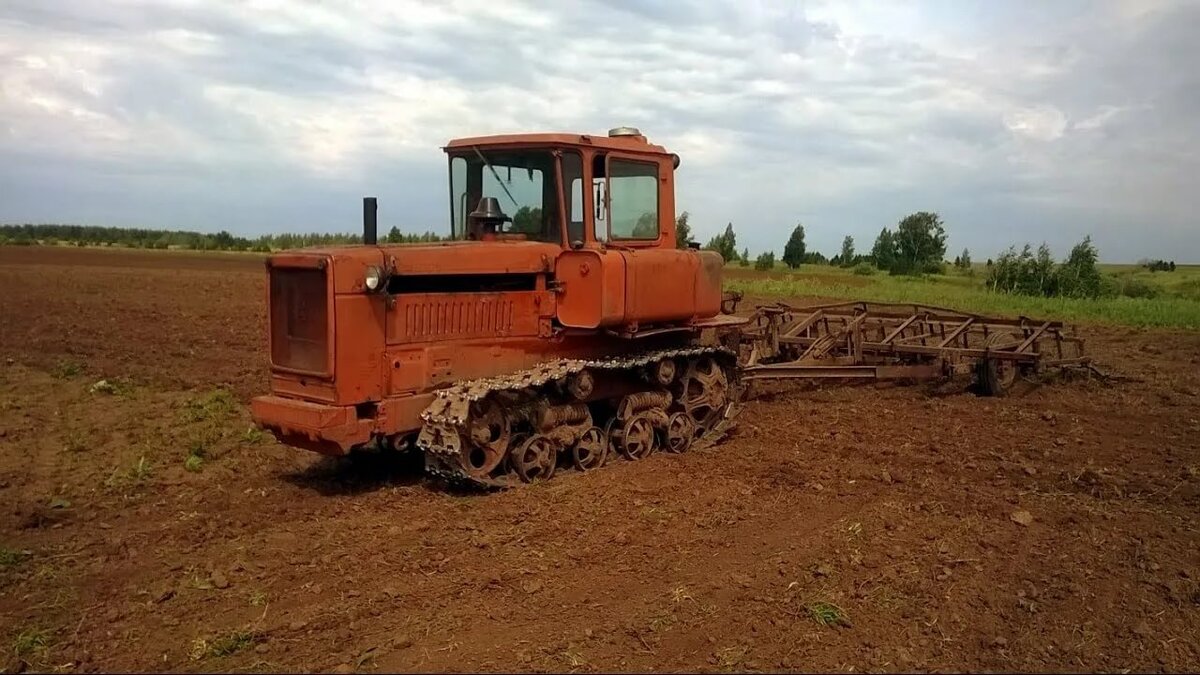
point(373, 279)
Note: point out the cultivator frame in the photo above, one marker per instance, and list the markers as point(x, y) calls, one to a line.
point(892, 341)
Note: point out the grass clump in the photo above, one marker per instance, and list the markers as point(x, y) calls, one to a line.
point(213, 405)
point(193, 463)
point(252, 436)
point(136, 474)
point(827, 614)
point(222, 645)
point(75, 442)
point(10, 557)
point(141, 470)
point(29, 641)
point(65, 369)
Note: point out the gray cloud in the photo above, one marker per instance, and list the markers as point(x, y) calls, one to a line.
point(1017, 121)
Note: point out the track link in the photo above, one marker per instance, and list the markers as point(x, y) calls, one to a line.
point(447, 418)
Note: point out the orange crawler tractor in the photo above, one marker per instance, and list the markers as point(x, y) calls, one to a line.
point(562, 323)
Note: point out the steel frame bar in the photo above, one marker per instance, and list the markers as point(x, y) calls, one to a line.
point(830, 342)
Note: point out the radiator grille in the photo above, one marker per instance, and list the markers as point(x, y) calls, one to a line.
point(299, 320)
point(457, 318)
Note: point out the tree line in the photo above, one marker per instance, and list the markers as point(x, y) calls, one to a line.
point(132, 237)
point(1158, 265)
point(917, 246)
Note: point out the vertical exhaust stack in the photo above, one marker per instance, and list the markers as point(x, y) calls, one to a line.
point(370, 221)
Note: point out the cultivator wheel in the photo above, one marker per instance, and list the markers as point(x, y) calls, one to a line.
point(996, 376)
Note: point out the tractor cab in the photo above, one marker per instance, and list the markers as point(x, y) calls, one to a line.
point(577, 191)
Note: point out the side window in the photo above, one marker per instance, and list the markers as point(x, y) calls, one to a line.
point(572, 171)
point(599, 198)
point(458, 198)
point(633, 199)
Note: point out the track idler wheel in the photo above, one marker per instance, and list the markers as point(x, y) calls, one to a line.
point(680, 431)
point(534, 459)
point(487, 441)
point(704, 393)
point(636, 439)
point(590, 450)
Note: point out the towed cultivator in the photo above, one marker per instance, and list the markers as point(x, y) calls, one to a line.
point(573, 329)
point(884, 341)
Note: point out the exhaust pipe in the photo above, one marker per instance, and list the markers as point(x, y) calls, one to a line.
point(370, 221)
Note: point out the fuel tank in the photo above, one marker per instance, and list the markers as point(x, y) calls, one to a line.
point(616, 287)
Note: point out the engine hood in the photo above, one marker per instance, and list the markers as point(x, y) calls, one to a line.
point(471, 257)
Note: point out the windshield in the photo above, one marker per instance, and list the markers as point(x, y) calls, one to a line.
point(522, 181)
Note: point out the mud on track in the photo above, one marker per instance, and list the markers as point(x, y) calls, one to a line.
point(890, 508)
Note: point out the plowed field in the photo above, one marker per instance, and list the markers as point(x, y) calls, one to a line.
point(146, 526)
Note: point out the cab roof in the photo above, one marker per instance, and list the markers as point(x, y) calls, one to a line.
point(636, 143)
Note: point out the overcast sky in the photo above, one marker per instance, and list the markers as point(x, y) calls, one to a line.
point(1016, 121)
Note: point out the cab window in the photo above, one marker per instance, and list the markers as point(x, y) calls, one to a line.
point(522, 181)
point(633, 199)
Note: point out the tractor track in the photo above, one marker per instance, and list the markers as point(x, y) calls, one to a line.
point(446, 419)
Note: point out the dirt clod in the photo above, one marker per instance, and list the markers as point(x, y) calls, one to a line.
point(1022, 518)
point(661, 564)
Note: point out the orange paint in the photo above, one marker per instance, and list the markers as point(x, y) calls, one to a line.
point(349, 364)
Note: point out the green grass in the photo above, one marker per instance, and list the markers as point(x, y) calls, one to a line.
point(1177, 304)
point(252, 436)
point(827, 614)
point(193, 463)
point(222, 645)
point(29, 641)
point(215, 404)
point(66, 369)
point(138, 473)
point(76, 441)
point(11, 557)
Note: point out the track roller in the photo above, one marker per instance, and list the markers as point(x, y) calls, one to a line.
point(636, 439)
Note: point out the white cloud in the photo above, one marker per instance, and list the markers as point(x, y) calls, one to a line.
point(1042, 123)
point(843, 114)
point(1104, 114)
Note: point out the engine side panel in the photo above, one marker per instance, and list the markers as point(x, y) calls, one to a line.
point(660, 285)
point(708, 284)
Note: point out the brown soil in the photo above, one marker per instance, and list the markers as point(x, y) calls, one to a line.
point(894, 508)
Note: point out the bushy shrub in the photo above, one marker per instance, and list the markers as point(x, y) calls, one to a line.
point(765, 261)
point(1027, 274)
point(1127, 286)
point(864, 269)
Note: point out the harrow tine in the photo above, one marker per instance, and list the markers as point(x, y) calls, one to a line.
point(821, 341)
